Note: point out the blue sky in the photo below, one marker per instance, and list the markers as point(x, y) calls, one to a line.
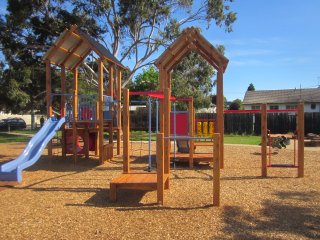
point(274, 45)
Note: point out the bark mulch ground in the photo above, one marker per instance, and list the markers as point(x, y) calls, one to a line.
point(60, 200)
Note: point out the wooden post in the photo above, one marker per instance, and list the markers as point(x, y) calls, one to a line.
point(264, 133)
point(111, 106)
point(300, 128)
point(97, 150)
point(63, 109)
point(75, 94)
point(75, 114)
point(126, 131)
point(119, 79)
point(86, 141)
point(167, 141)
point(111, 80)
point(191, 129)
point(161, 103)
point(48, 98)
point(220, 108)
point(74, 141)
point(160, 168)
point(63, 91)
point(100, 100)
point(216, 169)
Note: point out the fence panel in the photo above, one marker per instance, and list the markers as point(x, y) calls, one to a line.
point(245, 123)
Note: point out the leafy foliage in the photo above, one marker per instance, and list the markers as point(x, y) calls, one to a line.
point(235, 104)
point(251, 87)
point(132, 30)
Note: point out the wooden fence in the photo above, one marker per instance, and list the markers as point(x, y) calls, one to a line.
point(244, 123)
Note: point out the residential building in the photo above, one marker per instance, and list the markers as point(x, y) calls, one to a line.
point(283, 99)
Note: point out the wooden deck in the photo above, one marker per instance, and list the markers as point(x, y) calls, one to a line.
point(204, 143)
point(138, 181)
point(197, 157)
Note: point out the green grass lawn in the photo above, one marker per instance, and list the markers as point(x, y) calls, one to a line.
point(26, 131)
point(239, 139)
point(8, 138)
point(134, 136)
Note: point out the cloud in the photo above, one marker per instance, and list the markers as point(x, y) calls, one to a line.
point(251, 52)
point(248, 62)
point(294, 60)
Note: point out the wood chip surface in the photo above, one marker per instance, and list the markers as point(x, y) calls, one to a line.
point(60, 200)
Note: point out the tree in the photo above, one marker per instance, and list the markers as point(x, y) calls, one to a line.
point(192, 78)
point(214, 100)
point(132, 30)
point(235, 104)
point(251, 87)
point(148, 80)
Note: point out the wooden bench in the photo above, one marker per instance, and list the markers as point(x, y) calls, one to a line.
point(138, 181)
point(197, 157)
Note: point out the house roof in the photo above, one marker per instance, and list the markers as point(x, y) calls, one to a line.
point(282, 96)
point(73, 46)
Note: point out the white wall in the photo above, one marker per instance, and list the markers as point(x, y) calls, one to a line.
point(307, 107)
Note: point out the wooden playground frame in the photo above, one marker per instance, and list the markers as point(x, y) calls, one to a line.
point(158, 180)
point(300, 133)
point(189, 40)
point(68, 52)
point(72, 48)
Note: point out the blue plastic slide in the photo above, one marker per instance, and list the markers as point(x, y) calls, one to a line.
point(12, 171)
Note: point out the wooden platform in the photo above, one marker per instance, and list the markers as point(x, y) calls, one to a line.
point(197, 157)
point(203, 143)
point(138, 181)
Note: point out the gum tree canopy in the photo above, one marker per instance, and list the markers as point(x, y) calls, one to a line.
point(133, 30)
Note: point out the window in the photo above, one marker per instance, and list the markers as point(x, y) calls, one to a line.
point(288, 107)
point(313, 106)
point(274, 107)
point(255, 107)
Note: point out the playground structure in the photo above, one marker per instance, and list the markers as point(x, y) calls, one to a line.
point(88, 117)
point(189, 40)
point(182, 127)
point(12, 171)
point(158, 180)
point(298, 158)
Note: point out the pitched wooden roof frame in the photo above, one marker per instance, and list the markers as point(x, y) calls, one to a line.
point(73, 46)
point(191, 40)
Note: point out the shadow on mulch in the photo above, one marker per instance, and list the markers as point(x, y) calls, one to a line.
point(59, 164)
point(275, 216)
point(101, 198)
point(259, 153)
point(7, 184)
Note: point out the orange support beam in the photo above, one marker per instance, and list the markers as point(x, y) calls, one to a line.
point(220, 117)
point(100, 103)
point(160, 168)
point(216, 169)
point(191, 132)
point(126, 131)
point(300, 128)
point(264, 130)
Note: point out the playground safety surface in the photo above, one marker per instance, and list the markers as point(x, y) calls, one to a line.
point(60, 200)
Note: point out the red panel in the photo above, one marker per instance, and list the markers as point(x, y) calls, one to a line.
point(182, 123)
